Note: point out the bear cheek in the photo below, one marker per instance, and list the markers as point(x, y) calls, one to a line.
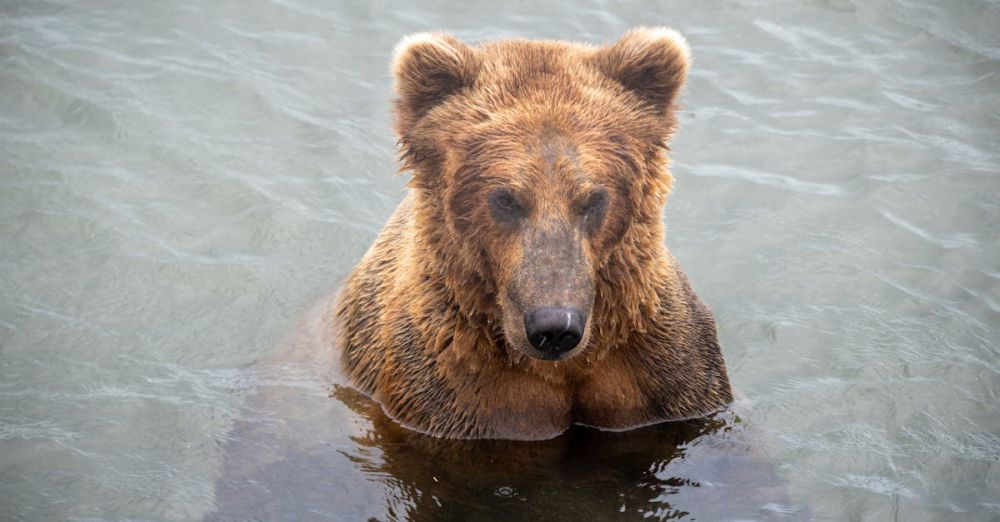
point(492, 249)
point(605, 235)
point(506, 255)
point(512, 317)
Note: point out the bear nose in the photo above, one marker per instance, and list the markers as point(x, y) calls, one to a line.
point(554, 330)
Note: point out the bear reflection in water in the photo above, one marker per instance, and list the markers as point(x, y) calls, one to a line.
point(297, 458)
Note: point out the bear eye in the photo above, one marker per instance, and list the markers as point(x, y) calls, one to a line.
point(504, 206)
point(594, 208)
point(596, 203)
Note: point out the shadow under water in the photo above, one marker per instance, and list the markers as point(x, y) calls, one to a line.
point(302, 451)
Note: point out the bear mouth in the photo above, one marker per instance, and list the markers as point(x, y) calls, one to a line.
point(554, 357)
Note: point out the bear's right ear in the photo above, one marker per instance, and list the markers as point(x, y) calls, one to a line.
point(651, 62)
point(428, 67)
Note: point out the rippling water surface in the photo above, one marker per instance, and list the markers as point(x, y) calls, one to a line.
point(180, 180)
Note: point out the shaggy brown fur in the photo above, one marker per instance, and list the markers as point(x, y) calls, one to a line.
point(538, 179)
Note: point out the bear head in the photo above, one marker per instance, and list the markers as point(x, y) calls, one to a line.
point(535, 163)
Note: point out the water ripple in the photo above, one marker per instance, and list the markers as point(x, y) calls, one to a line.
point(767, 179)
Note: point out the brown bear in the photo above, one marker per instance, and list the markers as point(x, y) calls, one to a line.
point(523, 284)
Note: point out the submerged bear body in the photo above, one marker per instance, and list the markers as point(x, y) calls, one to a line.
point(523, 284)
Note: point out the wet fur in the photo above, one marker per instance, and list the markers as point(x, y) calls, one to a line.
point(421, 321)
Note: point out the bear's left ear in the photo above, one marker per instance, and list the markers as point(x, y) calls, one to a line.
point(428, 67)
point(651, 62)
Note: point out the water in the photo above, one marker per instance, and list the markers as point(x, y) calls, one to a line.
point(180, 181)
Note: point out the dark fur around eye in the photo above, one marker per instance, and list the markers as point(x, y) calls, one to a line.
point(505, 207)
point(594, 209)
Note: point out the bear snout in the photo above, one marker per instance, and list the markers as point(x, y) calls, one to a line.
point(553, 331)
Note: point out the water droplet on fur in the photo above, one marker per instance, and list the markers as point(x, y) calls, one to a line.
point(505, 492)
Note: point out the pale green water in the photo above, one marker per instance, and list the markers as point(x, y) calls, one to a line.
point(180, 180)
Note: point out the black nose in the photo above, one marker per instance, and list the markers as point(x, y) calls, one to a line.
point(554, 330)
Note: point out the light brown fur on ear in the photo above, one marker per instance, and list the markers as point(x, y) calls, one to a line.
point(428, 67)
point(651, 62)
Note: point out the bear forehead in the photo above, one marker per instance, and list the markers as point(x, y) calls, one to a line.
point(520, 88)
point(541, 93)
point(547, 74)
point(527, 59)
point(511, 107)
